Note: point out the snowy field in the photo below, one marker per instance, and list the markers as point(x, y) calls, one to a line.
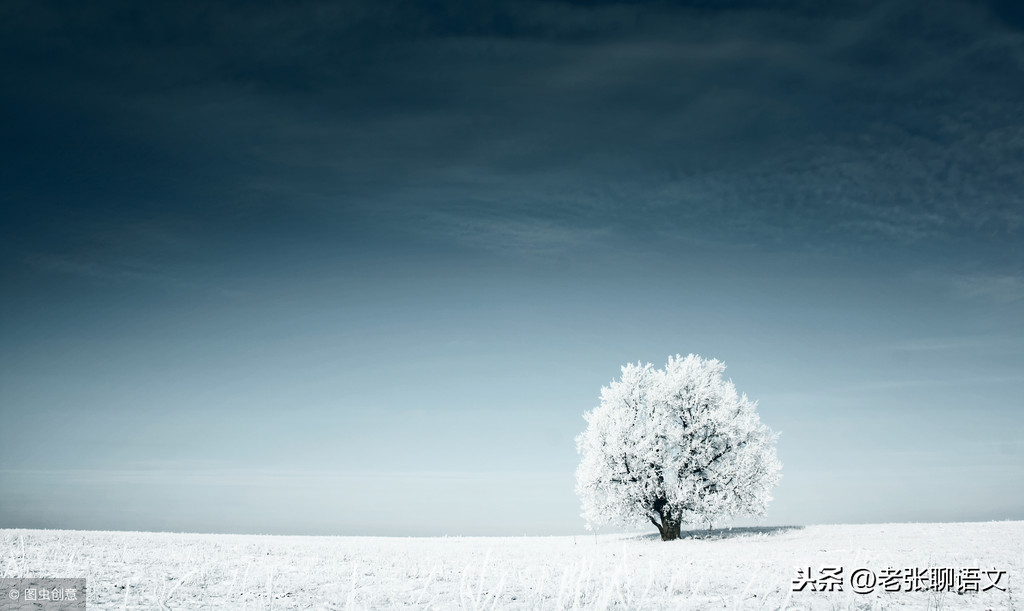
point(742, 568)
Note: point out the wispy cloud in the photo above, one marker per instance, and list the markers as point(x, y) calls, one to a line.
point(1001, 288)
point(943, 344)
point(111, 271)
point(531, 237)
point(128, 251)
point(792, 125)
point(874, 388)
point(242, 477)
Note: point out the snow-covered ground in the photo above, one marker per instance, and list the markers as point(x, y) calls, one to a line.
point(743, 568)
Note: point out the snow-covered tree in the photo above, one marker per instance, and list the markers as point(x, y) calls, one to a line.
point(674, 446)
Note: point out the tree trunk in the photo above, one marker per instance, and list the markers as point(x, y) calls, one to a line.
point(669, 528)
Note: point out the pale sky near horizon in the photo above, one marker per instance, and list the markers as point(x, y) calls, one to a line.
point(361, 268)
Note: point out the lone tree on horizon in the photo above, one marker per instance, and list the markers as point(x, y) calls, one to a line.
point(674, 446)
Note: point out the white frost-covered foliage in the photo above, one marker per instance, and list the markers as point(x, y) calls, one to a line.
point(674, 446)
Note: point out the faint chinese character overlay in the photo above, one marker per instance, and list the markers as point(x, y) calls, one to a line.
point(42, 594)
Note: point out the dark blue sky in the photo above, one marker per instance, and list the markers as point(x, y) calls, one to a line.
point(359, 268)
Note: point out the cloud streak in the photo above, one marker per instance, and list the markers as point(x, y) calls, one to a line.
point(794, 126)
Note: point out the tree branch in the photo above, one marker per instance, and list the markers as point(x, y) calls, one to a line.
point(651, 518)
